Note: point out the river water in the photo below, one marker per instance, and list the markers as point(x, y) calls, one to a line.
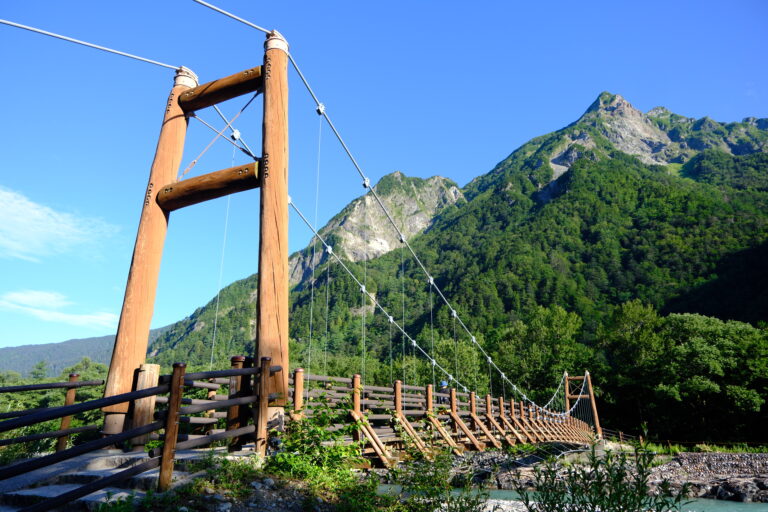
point(696, 506)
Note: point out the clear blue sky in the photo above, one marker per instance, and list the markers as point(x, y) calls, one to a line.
point(446, 88)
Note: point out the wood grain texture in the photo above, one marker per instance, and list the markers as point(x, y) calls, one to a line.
point(223, 89)
point(272, 316)
point(132, 337)
point(144, 408)
point(171, 427)
point(208, 186)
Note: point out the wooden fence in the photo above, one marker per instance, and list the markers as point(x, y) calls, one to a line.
point(387, 420)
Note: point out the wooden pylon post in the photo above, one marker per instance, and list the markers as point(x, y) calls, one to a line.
point(272, 316)
point(598, 430)
point(132, 338)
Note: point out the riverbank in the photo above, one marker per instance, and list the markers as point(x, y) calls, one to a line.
point(723, 476)
point(739, 477)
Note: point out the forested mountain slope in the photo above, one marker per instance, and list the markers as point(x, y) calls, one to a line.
point(598, 246)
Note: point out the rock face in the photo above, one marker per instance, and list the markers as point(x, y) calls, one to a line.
point(361, 230)
point(628, 129)
point(723, 476)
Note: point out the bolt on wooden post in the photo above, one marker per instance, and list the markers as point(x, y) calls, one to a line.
point(272, 319)
point(132, 338)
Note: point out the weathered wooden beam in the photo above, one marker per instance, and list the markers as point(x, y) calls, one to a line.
point(171, 427)
point(223, 89)
point(208, 186)
point(598, 430)
point(272, 307)
point(69, 399)
point(144, 408)
point(132, 339)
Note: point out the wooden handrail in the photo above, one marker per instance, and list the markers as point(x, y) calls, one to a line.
point(96, 485)
point(58, 412)
point(29, 465)
point(51, 385)
point(48, 435)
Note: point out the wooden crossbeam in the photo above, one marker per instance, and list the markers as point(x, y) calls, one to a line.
point(479, 423)
point(516, 429)
point(494, 423)
point(438, 426)
point(460, 425)
point(365, 427)
point(208, 186)
point(403, 421)
point(222, 89)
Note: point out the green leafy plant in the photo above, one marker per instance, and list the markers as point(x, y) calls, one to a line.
point(616, 482)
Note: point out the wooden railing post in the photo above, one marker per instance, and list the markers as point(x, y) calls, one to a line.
point(430, 403)
point(144, 408)
point(454, 409)
point(298, 392)
point(398, 397)
point(233, 412)
point(356, 401)
point(69, 399)
point(245, 388)
point(262, 413)
point(171, 427)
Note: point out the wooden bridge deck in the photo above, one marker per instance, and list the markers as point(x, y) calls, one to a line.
point(188, 411)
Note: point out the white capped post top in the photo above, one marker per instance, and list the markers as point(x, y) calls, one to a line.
point(185, 76)
point(276, 41)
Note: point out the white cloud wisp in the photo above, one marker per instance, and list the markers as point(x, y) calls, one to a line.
point(45, 305)
point(31, 231)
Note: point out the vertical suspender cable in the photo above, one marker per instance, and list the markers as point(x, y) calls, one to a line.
point(432, 333)
point(314, 251)
point(221, 273)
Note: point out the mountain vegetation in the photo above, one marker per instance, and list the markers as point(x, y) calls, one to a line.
point(628, 244)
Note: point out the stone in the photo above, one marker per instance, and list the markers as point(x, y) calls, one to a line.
point(268, 482)
point(257, 486)
point(208, 490)
point(223, 507)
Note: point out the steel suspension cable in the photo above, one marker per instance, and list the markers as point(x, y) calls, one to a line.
point(373, 299)
point(322, 111)
point(89, 45)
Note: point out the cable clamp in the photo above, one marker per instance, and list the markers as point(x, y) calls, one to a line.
point(402, 238)
point(453, 313)
point(474, 340)
point(362, 288)
point(450, 377)
point(235, 134)
point(464, 388)
point(329, 249)
point(434, 363)
point(391, 319)
point(366, 183)
point(320, 109)
point(489, 357)
point(431, 280)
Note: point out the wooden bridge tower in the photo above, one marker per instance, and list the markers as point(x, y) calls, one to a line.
point(164, 194)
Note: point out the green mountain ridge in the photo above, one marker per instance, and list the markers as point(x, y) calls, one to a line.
point(598, 246)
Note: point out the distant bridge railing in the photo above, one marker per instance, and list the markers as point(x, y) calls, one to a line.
point(193, 410)
point(64, 431)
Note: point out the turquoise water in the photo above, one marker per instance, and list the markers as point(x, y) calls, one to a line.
point(694, 506)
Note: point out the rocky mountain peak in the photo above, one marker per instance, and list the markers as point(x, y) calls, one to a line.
point(627, 128)
point(361, 231)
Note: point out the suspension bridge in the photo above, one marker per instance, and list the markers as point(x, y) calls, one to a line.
point(258, 395)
